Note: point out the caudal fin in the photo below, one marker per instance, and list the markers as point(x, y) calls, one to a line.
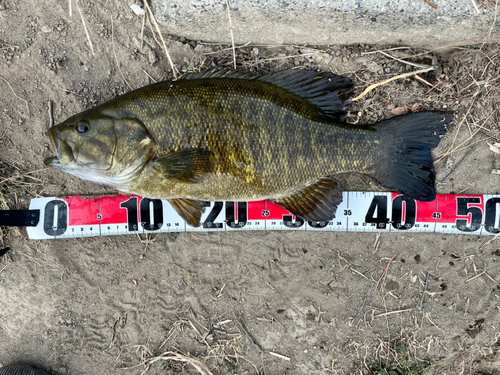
point(408, 166)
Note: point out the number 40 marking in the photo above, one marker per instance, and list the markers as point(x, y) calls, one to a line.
point(403, 212)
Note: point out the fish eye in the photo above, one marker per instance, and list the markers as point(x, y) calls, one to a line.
point(82, 127)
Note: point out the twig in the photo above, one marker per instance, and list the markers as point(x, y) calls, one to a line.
point(451, 45)
point(248, 334)
point(468, 139)
point(151, 16)
point(492, 26)
point(382, 279)
point(224, 322)
point(231, 30)
point(51, 116)
point(85, 26)
point(425, 290)
point(466, 146)
point(300, 255)
point(30, 257)
point(475, 7)
point(431, 4)
point(142, 30)
point(459, 126)
point(420, 66)
point(280, 356)
point(11, 89)
point(359, 273)
point(22, 175)
point(456, 166)
point(475, 277)
point(491, 278)
point(219, 295)
point(114, 52)
point(401, 76)
point(489, 241)
point(377, 242)
point(199, 333)
point(70, 9)
point(464, 190)
point(417, 77)
point(391, 313)
point(286, 57)
point(227, 49)
point(149, 75)
point(362, 307)
point(172, 356)
point(428, 316)
point(388, 49)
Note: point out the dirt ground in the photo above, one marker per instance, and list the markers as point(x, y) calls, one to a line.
point(328, 303)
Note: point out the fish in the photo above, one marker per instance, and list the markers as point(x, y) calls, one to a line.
point(233, 136)
point(20, 369)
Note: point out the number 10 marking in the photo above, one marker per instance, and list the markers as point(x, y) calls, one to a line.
point(151, 211)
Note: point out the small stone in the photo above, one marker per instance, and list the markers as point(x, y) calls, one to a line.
point(46, 29)
point(152, 57)
point(361, 60)
point(137, 10)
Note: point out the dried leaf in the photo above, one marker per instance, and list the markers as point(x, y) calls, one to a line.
point(137, 9)
point(398, 111)
point(495, 147)
point(416, 107)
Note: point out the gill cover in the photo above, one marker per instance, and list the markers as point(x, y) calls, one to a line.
point(85, 142)
point(101, 148)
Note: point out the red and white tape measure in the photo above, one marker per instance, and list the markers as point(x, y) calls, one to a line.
point(73, 217)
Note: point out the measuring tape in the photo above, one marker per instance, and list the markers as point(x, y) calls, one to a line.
point(74, 217)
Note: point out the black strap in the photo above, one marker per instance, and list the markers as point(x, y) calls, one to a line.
point(19, 218)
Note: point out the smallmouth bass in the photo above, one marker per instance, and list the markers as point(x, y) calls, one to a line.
point(231, 136)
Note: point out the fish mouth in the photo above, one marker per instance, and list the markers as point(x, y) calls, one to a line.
point(64, 152)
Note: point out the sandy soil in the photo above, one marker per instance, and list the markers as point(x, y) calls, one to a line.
point(103, 305)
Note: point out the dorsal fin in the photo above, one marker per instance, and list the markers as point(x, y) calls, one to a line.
point(328, 93)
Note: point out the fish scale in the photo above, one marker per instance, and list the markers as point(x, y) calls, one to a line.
point(273, 149)
point(230, 136)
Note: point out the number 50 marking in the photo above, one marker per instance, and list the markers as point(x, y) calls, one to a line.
point(463, 209)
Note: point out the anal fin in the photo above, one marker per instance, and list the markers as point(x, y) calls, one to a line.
point(315, 202)
point(189, 209)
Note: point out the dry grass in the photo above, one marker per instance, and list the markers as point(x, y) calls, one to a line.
point(15, 182)
point(222, 343)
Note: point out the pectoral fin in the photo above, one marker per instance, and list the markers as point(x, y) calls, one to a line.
point(188, 166)
point(315, 202)
point(189, 209)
